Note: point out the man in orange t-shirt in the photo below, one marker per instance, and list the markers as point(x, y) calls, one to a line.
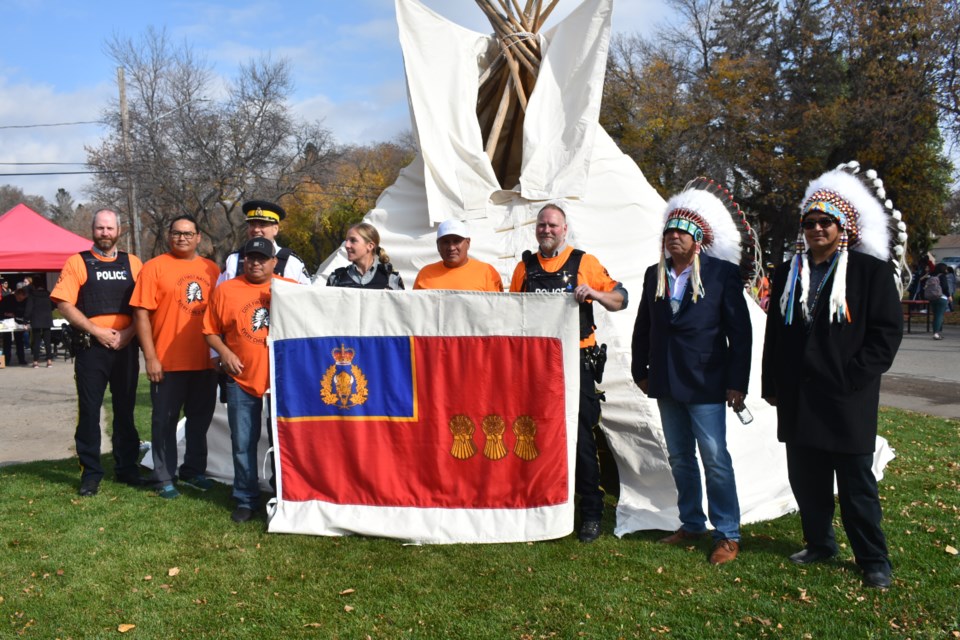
point(457, 270)
point(93, 294)
point(169, 302)
point(558, 267)
point(236, 326)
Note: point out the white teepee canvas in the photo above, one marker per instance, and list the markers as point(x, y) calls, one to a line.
point(612, 213)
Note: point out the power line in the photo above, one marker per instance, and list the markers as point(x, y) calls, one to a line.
point(54, 173)
point(28, 164)
point(53, 124)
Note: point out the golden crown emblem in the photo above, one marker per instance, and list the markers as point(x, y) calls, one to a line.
point(348, 387)
point(343, 355)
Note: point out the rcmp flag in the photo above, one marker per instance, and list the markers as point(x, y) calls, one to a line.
point(430, 416)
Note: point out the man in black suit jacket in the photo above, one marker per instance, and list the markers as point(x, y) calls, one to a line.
point(691, 351)
point(825, 348)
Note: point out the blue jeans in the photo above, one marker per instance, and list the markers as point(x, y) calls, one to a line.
point(687, 427)
point(244, 414)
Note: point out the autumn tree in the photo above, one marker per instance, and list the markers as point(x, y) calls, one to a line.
point(202, 145)
point(766, 95)
point(322, 208)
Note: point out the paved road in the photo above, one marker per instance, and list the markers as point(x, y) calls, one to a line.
point(925, 377)
point(39, 405)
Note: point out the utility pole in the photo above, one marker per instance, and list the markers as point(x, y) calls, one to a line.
point(131, 181)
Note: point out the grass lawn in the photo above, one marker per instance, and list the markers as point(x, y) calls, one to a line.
point(88, 568)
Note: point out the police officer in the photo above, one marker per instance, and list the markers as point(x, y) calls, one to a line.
point(93, 294)
point(559, 267)
point(263, 221)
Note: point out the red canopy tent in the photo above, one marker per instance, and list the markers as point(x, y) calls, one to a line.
point(30, 242)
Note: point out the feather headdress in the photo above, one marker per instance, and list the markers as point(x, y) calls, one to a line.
point(868, 224)
point(708, 212)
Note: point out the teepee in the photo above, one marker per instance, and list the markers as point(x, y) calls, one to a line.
point(507, 122)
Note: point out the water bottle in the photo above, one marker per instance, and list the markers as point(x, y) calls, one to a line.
point(745, 416)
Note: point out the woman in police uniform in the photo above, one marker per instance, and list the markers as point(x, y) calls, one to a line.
point(369, 266)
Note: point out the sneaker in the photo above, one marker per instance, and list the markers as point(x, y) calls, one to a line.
point(589, 531)
point(241, 514)
point(89, 488)
point(168, 492)
point(199, 482)
point(937, 336)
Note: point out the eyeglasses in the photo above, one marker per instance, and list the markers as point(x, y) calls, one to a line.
point(186, 235)
point(813, 223)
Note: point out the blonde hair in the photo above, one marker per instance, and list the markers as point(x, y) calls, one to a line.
point(369, 233)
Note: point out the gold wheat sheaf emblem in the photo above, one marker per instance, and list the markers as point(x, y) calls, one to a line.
point(462, 428)
point(493, 427)
point(526, 431)
point(343, 384)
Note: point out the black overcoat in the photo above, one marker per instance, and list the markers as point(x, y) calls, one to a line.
point(826, 377)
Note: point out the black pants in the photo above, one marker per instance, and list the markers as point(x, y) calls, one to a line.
point(587, 479)
point(35, 336)
point(811, 474)
point(94, 369)
point(196, 393)
point(9, 339)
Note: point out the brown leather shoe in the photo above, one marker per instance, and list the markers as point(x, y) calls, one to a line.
point(681, 536)
point(724, 551)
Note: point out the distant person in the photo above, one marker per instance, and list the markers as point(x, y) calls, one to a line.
point(39, 315)
point(558, 267)
point(456, 269)
point(369, 266)
point(263, 221)
point(951, 286)
point(14, 307)
point(833, 328)
point(168, 302)
point(5, 289)
point(236, 325)
point(936, 289)
point(93, 295)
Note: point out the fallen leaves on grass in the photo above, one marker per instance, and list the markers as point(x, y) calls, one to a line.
point(347, 592)
point(951, 550)
point(123, 628)
point(173, 571)
point(347, 608)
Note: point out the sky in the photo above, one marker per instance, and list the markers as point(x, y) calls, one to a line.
point(345, 58)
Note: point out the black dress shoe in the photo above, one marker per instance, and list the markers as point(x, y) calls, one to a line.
point(876, 580)
point(589, 531)
point(89, 488)
point(809, 556)
point(241, 514)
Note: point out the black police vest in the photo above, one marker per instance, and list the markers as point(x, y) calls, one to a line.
point(562, 280)
point(381, 278)
point(282, 256)
point(108, 287)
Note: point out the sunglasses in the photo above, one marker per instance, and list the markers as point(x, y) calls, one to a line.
point(813, 223)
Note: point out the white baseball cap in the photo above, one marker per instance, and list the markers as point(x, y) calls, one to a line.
point(452, 228)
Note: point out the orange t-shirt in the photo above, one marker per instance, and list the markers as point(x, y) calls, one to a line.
point(239, 312)
point(176, 292)
point(472, 276)
point(591, 272)
point(74, 275)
